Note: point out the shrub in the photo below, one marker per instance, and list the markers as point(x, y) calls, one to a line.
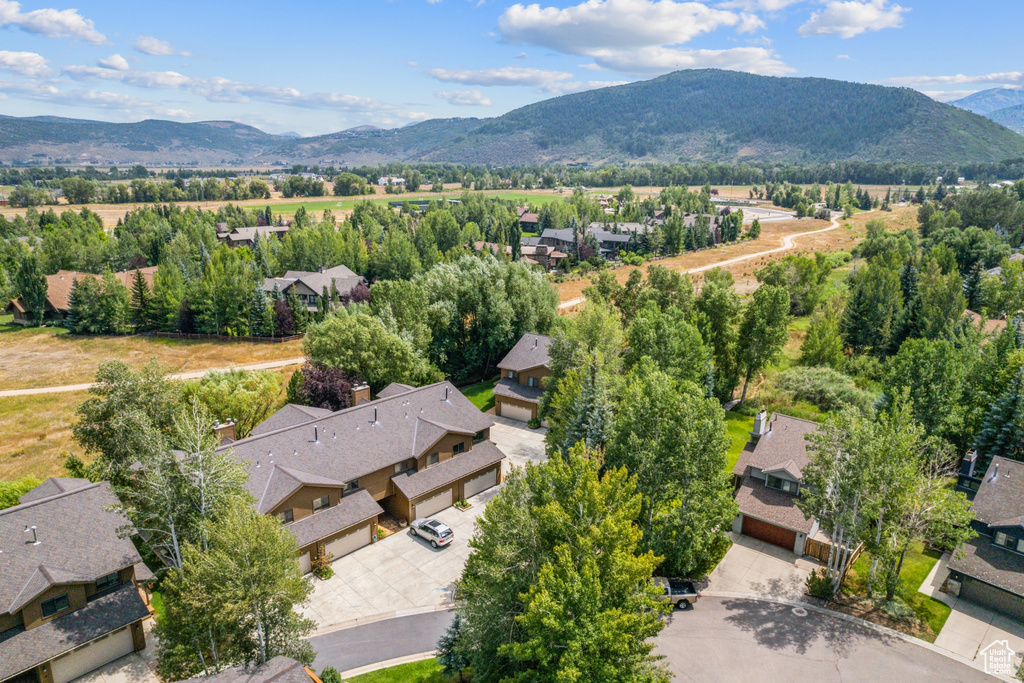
point(826, 388)
point(898, 610)
point(330, 675)
point(12, 491)
point(865, 368)
point(534, 423)
point(819, 585)
point(321, 566)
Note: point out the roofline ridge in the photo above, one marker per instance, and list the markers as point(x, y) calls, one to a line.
point(799, 419)
point(70, 492)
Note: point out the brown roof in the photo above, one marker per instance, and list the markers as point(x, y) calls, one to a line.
point(58, 285)
point(278, 670)
point(394, 389)
point(757, 500)
point(784, 446)
point(41, 644)
point(509, 388)
point(993, 565)
point(354, 442)
point(480, 457)
point(78, 542)
point(52, 487)
point(1000, 496)
point(350, 510)
point(290, 415)
point(529, 352)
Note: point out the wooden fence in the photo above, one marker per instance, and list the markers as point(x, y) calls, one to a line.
point(222, 337)
point(820, 551)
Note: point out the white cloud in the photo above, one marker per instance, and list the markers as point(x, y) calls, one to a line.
point(148, 45)
point(509, 75)
point(597, 25)
point(845, 57)
point(127, 104)
point(750, 23)
point(759, 5)
point(948, 95)
point(24, 63)
point(464, 98)
point(116, 62)
point(52, 23)
point(1007, 77)
point(849, 19)
point(658, 60)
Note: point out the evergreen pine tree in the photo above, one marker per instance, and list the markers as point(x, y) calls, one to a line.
point(30, 284)
point(142, 303)
point(590, 412)
point(1002, 431)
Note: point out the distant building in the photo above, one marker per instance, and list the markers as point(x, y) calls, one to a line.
point(245, 237)
point(386, 180)
point(58, 293)
point(309, 287)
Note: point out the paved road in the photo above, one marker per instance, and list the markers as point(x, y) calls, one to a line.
point(380, 641)
point(183, 375)
point(787, 244)
point(722, 639)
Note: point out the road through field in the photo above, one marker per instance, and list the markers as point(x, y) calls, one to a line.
point(271, 365)
point(787, 244)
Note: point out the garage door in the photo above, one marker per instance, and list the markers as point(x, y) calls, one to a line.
point(516, 412)
point(429, 506)
point(993, 598)
point(304, 563)
point(354, 540)
point(769, 533)
point(480, 483)
point(92, 656)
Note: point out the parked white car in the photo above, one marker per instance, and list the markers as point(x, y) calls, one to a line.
point(437, 533)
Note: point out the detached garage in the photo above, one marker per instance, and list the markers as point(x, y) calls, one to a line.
point(92, 656)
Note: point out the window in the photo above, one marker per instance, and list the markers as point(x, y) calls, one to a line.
point(432, 459)
point(512, 374)
point(532, 381)
point(478, 437)
point(458, 448)
point(782, 484)
point(351, 487)
point(55, 605)
point(403, 466)
point(286, 516)
point(107, 583)
point(321, 503)
point(1009, 541)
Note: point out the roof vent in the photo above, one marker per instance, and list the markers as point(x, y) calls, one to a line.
point(35, 539)
point(316, 434)
point(257, 464)
point(995, 472)
point(535, 340)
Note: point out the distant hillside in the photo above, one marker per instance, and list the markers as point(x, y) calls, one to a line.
point(1011, 117)
point(991, 100)
point(713, 115)
point(155, 142)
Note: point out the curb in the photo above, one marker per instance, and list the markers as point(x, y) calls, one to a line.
point(383, 616)
point(853, 620)
point(369, 668)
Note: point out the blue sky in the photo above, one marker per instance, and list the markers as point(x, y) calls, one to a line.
point(317, 67)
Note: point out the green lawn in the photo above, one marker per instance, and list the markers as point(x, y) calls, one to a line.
point(427, 671)
point(916, 566)
point(317, 205)
point(158, 605)
point(739, 428)
point(481, 394)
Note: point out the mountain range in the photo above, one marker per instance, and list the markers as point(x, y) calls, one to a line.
point(685, 116)
point(1005, 106)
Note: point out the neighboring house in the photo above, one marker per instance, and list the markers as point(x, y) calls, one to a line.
point(69, 600)
point(384, 181)
point(541, 255)
point(528, 221)
point(309, 287)
point(58, 293)
point(245, 237)
point(989, 569)
point(770, 473)
point(327, 477)
point(276, 670)
point(559, 238)
point(517, 394)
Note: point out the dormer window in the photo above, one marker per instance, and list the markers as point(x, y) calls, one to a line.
point(532, 382)
point(321, 503)
point(512, 374)
point(1014, 542)
point(55, 605)
point(105, 584)
point(782, 484)
point(458, 448)
point(351, 487)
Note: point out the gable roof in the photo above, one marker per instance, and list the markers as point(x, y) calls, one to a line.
point(344, 280)
point(784, 446)
point(58, 285)
point(248, 234)
point(78, 541)
point(1000, 496)
point(394, 389)
point(350, 510)
point(288, 416)
point(52, 487)
point(355, 441)
point(529, 352)
point(754, 499)
point(481, 456)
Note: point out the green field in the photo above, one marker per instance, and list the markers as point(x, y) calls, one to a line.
point(739, 427)
point(349, 203)
point(427, 671)
point(480, 394)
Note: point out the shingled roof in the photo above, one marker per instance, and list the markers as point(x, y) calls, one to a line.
point(480, 457)
point(529, 352)
point(354, 442)
point(343, 278)
point(1001, 495)
point(78, 541)
point(784, 446)
point(350, 510)
point(278, 670)
point(290, 415)
point(757, 500)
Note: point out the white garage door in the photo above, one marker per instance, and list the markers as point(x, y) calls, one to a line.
point(515, 412)
point(429, 506)
point(479, 483)
point(92, 656)
point(354, 540)
point(304, 563)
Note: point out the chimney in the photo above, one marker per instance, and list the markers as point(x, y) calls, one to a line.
point(969, 462)
point(225, 431)
point(360, 394)
point(761, 425)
